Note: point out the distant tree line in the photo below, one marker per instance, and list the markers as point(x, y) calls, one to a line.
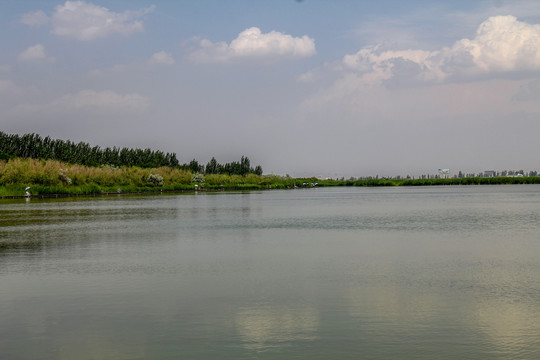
point(243, 167)
point(34, 146)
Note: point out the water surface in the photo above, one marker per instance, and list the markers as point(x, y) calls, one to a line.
point(340, 273)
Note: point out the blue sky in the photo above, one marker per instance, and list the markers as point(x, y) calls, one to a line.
point(313, 87)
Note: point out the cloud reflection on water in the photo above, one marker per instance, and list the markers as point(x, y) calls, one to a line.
point(263, 328)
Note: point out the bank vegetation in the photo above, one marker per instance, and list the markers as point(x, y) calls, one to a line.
point(36, 166)
point(48, 177)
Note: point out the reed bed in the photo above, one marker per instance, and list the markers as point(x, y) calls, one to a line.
point(47, 177)
point(55, 177)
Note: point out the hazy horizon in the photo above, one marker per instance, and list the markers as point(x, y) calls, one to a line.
point(306, 88)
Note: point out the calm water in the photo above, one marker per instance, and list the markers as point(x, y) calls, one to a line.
point(342, 273)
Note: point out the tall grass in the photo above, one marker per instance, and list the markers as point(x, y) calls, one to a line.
point(55, 177)
point(31, 172)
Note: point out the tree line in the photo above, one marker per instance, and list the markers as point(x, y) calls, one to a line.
point(243, 167)
point(37, 147)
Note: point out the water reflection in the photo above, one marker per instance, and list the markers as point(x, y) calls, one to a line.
point(270, 327)
point(489, 309)
point(393, 305)
point(512, 327)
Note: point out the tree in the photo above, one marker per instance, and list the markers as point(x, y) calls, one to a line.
point(213, 167)
point(195, 167)
point(244, 166)
point(33, 146)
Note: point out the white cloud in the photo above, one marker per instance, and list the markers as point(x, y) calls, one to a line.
point(502, 44)
point(85, 21)
point(162, 58)
point(252, 43)
point(480, 92)
point(36, 18)
point(377, 64)
point(35, 53)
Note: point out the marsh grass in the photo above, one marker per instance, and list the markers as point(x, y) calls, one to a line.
point(49, 177)
point(53, 173)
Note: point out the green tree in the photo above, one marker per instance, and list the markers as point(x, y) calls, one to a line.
point(212, 167)
point(195, 167)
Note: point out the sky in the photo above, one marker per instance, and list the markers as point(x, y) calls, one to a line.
point(306, 88)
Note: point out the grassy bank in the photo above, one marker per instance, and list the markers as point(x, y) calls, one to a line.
point(438, 182)
point(48, 177)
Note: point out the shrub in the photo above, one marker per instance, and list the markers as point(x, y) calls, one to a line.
point(62, 175)
point(155, 180)
point(198, 179)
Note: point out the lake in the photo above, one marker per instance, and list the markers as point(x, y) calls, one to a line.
point(326, 273)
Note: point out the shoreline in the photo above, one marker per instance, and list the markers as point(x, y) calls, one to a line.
point(54, 179)
point(60, 195)
point(149, 192)
point(323, 183)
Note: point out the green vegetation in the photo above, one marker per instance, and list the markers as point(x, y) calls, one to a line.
point(63, 167)
point(435, 182)
point(234, 168)
point(66, 168)
point(51, 176)
point(35, 147)
point(243, 167)
point(473, 181)
point(48, 177)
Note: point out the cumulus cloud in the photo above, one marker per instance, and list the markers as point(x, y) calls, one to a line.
point(502, 44)
point(36, 18)
point(378, 64)
point(35, 53)
point(252, 43)
point(85, 21)
point(162, 58)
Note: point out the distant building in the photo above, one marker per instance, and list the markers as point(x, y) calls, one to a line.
point(490, 173)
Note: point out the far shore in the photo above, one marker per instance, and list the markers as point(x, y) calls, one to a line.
point(39, 191)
